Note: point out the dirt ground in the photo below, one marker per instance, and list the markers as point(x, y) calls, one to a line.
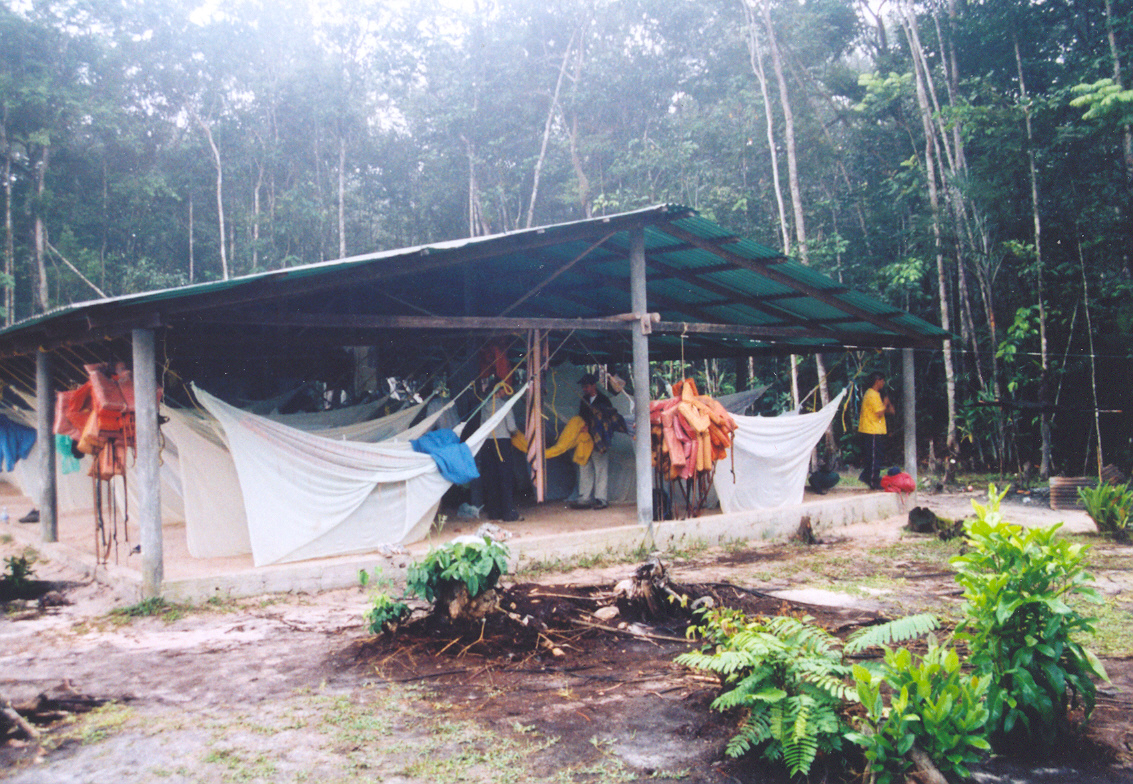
point(293, 688)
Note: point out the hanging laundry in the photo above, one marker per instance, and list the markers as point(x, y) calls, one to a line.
point(691, 432)
point(69, 463)
point(99, 416)
point(16, 441)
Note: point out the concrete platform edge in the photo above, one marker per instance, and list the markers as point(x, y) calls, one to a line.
point(343, 572)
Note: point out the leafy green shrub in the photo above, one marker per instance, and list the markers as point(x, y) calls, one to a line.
point(932, 705)
point(384, 612)
point(474, 563)
point(1110, 506)
point(1020, 629)
point(18, 571)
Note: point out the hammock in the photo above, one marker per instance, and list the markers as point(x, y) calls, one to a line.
point(306, 496)
point(216, 523)
point(332, 417)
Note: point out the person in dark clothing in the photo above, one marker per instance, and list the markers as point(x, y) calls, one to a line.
point(823, 479)
point(602, 421)
point(497, 473)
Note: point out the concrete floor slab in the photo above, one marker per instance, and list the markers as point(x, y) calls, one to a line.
point(550, 532)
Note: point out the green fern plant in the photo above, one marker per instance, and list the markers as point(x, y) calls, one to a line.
point(885, 634)
point(791, 678)
point(786, 673)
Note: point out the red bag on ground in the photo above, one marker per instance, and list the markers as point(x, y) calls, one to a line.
point(898, 483)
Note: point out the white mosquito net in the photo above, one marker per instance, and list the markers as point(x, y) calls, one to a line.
point(307, 496)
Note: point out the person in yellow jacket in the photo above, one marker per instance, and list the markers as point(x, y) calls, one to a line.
point(871, 425)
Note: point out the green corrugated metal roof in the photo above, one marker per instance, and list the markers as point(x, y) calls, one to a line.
point(698, 272)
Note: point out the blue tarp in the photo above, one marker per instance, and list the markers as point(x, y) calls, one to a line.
point(454, 459)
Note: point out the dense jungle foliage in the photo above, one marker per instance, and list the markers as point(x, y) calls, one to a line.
point(969, 160)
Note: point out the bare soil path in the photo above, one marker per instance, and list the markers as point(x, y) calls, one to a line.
point(293, 688)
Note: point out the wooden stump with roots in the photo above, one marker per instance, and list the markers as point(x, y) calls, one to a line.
point(454, 601)
point(649, 593)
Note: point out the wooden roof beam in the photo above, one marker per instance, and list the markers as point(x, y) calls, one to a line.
point(619, 323)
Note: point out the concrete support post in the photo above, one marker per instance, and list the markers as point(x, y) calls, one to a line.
point(148, 462)
point(642, 451)
point(44, 425)
point(909, 410)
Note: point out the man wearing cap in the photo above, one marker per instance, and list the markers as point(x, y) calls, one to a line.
point(594, 477)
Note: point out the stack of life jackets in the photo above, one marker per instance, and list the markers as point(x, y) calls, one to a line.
point(99, 418)
point(690, 432)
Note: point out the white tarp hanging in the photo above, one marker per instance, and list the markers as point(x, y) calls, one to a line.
point(308, 497)
point(215, 522)
point(169, 473)
point(73, 491)
point(772, 458)
point(370, 430)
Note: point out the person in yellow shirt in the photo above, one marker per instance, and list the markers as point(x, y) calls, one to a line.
point(871, 425)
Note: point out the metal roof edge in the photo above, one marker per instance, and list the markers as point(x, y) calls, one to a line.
point(657, 213)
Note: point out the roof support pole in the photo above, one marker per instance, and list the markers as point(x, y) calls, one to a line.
point(44, 412)
point(909, 410)
point(642, 448)
point(147, 467)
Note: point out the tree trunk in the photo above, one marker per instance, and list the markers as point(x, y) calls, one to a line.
point(477, 226)
point(789, 133)
point(9, 238)
point(40, 230)
point(342, 198)
point(547, 133)
point(1093, 359)
point(222, 235)
point(796, 193)
point(579, 172)
point(985, 276)
point(942, 281)
point(1127, 131)
point(256, 216)
point(1044, 373)
point(191, 260)
point(755, 54)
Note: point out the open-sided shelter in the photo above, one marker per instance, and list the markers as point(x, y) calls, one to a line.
point(655, 283)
